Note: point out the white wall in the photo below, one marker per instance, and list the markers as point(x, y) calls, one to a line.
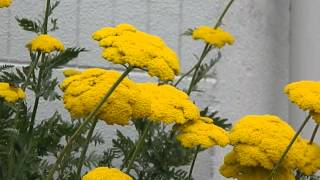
point(251, 74)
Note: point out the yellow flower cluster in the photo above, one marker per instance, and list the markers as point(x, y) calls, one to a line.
point(5, 3)
point(9, 93)
point(305, 94)
point(311, 161)
point(233, 169)
point(259, 141)
point(105, 173)
point(168, 104)
point(202, 132)
point(165, 103)
point(45, 43)
point(84, 90)
point(125, 44)
point(216, 37)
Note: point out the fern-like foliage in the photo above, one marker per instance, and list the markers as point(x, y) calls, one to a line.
point(6, 67)
point(221, 122)
point(161, 157)
point(30, 25)
point(64, 57)
point(37, 25)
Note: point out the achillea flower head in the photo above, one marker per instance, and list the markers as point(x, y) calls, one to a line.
point(83, 91)
point(10, 94)
point(169, 104)
point(105, 173)
point(125, 44)
point(45, 43)
point(202, 132)
point(310, 164)
point(305, 94)
point(233, 169)
point(5, 3)
point(215, 37)
point(260, 140)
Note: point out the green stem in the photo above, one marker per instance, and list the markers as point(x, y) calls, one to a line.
point(195, 66)
point(46, 17)
point(276, 167)
point(31, 71)
point(204, 53)
point(219, 22)
point(89, 118)
point(193, 162)
point(314, 134)
point(138, 146)
point(85, 148)
point(38, 90)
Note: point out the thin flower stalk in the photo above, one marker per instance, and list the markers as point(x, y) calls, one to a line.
point(205, 51)
point(276, 167)
point(138, 146)
point(314, 134)
point(85, 148)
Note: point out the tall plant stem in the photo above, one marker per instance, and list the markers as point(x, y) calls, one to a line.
point(37, 98)
point(193, 162)
point(207, 47)
point(85, 148)
point(205, 51)
point(46, 17)
point(138, 146)
point(314, 134)
point(89, 118)
point(276, 167)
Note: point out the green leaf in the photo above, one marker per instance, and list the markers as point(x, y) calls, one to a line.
point(30, 25)
point(64, 57)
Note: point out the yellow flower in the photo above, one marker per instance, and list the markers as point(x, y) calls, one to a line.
point(202, 132)
point(105, 173)
point(125, 44)
point(260, 140)
point(310, 164)
point(9, 93)
point(169, 104)
point(216, 37)
point(83, 91)
point(305, 94)
point(71, 72)
point(233, 169)
point(5, 3)
point(45, 43)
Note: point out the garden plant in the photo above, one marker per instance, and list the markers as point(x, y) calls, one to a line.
point(171, 129)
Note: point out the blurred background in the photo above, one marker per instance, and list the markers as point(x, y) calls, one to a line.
point(277, 41)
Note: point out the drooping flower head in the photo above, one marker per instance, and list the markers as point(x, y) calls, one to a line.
point(10, 94)
point(105, 173)
point(305, 94)
point(233, 169)
point(169, 104)
point(215, 37)
point(45, 43)
point(124, 44)
point(83, 91)
point(202, 132)
point(260, 140)
point(5, 3)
